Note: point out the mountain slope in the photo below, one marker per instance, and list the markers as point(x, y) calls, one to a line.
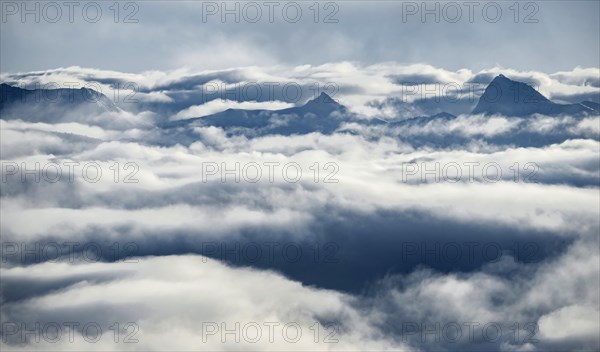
point(52, 105)
point(318, 115)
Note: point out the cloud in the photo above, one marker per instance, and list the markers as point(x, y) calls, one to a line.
point(173, 300)
point(215, 106)
point(571, 322)
point(373, 242)
point(388, 90)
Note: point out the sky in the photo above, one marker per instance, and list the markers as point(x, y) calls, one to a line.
point(548, 36)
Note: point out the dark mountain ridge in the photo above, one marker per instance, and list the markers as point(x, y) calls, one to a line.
point(320, 114)
point(52, 105)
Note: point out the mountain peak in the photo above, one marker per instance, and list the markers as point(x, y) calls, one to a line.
point(504, 96)
point(512, 98)
point(323, 98)
point(502, 79)
point(322, 105)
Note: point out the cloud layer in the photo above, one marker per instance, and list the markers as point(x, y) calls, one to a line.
point(382, 236)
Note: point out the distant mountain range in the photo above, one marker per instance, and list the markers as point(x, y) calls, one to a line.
point(502, 96)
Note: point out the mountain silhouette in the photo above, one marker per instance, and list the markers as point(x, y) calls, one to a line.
point(52, 105)
point(504, 96)
point(320, 114)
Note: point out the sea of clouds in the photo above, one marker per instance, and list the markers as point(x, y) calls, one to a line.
point(394, 244)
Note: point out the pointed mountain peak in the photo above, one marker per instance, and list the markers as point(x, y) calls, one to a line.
point(507, 97)
point(324, 95)
point(502, 79)
point(322, 98)
point(322, 105)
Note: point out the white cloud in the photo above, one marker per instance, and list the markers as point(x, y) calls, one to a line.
point(219, 105)
point(169, 296)
point(354, 84)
